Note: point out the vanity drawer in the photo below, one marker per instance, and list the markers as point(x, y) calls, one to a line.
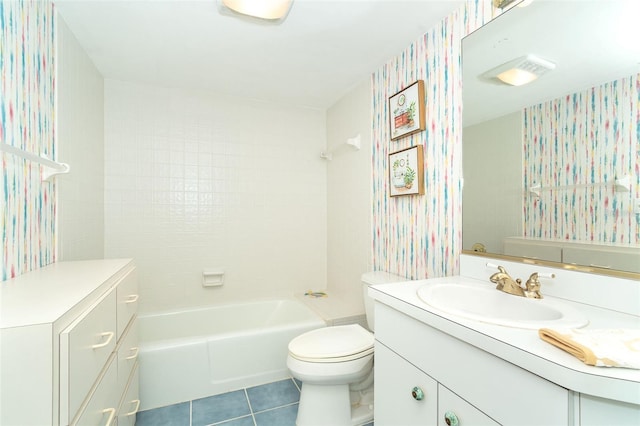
point(85, 346)
point(130, 403)
point(533, 250)
point(101, 408)
point(478, 377)
point(603, 258)
point(127, 293)
point(127, 355)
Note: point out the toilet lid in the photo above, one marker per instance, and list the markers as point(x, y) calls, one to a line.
point(338, 343)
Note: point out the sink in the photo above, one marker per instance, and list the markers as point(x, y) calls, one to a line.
point(486, 304)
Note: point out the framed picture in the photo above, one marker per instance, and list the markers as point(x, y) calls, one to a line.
point(407, 111)
point(406, 172)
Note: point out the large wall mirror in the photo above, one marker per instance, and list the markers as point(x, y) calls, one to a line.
point(552, 168)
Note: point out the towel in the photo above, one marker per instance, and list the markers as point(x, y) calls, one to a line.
point(598, 347)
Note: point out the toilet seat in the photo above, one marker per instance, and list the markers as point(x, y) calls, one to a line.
point(332, 344)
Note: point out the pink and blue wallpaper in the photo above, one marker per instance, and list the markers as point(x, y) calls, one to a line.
point(421, 236)
point(27, 219)
point(575, 148)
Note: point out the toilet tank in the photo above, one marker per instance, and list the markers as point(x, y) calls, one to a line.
point(373, 278)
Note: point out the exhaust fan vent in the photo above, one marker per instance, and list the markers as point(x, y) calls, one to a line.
point(521, 71)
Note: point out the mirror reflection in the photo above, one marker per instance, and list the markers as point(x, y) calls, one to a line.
point(552, 167)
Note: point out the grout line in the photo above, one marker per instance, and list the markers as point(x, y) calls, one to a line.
point(231, 419)
point(296, 384)
point(246, 395)
point(275, 408)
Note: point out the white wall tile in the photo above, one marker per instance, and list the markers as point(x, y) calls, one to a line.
point(80, 138)
point(349, 196)
point(201, 181)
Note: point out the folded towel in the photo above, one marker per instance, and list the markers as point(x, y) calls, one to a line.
point(598, 347)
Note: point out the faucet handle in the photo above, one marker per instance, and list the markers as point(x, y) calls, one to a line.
point(533, 286)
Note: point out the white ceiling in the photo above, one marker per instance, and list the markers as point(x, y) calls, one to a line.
point(322, 50)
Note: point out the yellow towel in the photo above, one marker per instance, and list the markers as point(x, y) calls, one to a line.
point(598, 347)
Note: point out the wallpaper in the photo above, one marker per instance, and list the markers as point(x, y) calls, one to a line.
point(420, 236)
point(27, 122)
point(575, 148)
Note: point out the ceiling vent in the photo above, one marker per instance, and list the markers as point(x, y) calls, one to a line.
point(520, 71)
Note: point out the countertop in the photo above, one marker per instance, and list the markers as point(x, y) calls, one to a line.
point(523, 347)
point(44, 295)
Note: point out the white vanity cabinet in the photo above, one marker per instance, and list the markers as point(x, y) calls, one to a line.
point(407, 396)
point(600, 411)
point(68, 345)
point(458, 380)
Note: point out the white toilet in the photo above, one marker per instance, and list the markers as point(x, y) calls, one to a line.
point(335, 365)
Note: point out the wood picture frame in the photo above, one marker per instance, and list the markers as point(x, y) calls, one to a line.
point(407, 111)
point(406, 172)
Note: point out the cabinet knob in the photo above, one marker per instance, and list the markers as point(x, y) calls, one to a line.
point(451, 419)
point(417, 394)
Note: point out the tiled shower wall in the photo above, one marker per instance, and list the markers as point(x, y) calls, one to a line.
point(576, 167)
point(27, 217)
point(80, 143)
point(420, 236)
point(196, 181)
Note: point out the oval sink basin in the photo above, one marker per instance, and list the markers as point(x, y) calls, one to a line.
point(493, 306)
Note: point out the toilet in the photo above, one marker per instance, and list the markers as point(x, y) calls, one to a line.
point(335, 366)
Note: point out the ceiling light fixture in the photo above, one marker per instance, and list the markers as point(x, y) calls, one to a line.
point(521, 71)
point(270, 10)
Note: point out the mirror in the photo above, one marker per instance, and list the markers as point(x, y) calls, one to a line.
point(551, 168)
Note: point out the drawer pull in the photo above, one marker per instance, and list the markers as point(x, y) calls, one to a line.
point(112, 415)
point(109, 336)
point(451, 419)
point(134, 351)
point(135, 410)
point(593, 265)
point(133, 298)
point(417, 394)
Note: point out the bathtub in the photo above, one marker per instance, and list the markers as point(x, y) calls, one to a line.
point(191, 354)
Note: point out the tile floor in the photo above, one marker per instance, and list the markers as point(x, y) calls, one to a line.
point(273, 404)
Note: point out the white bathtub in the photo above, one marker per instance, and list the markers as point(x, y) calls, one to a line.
point(191, 354)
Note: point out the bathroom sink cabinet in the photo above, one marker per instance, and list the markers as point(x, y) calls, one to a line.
point(68, 345)
point(486, 374)
point(456, 379)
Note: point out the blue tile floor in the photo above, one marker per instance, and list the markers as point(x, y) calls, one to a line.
point(273, 404)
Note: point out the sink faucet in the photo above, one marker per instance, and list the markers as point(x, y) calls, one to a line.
point(533, 286)
point(509, 285)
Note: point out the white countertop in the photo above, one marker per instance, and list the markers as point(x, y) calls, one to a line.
point(43, 296)
point(523, 347)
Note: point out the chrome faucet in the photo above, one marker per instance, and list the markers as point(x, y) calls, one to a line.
point(509, 285)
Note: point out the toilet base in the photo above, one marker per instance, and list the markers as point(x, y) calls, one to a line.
point(336, 405)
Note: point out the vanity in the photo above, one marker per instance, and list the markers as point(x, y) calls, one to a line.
point(69, 345)
point(437, 368)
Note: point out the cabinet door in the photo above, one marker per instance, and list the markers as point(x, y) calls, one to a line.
point(598, 411)
point(404, 395)
point(455, 411)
